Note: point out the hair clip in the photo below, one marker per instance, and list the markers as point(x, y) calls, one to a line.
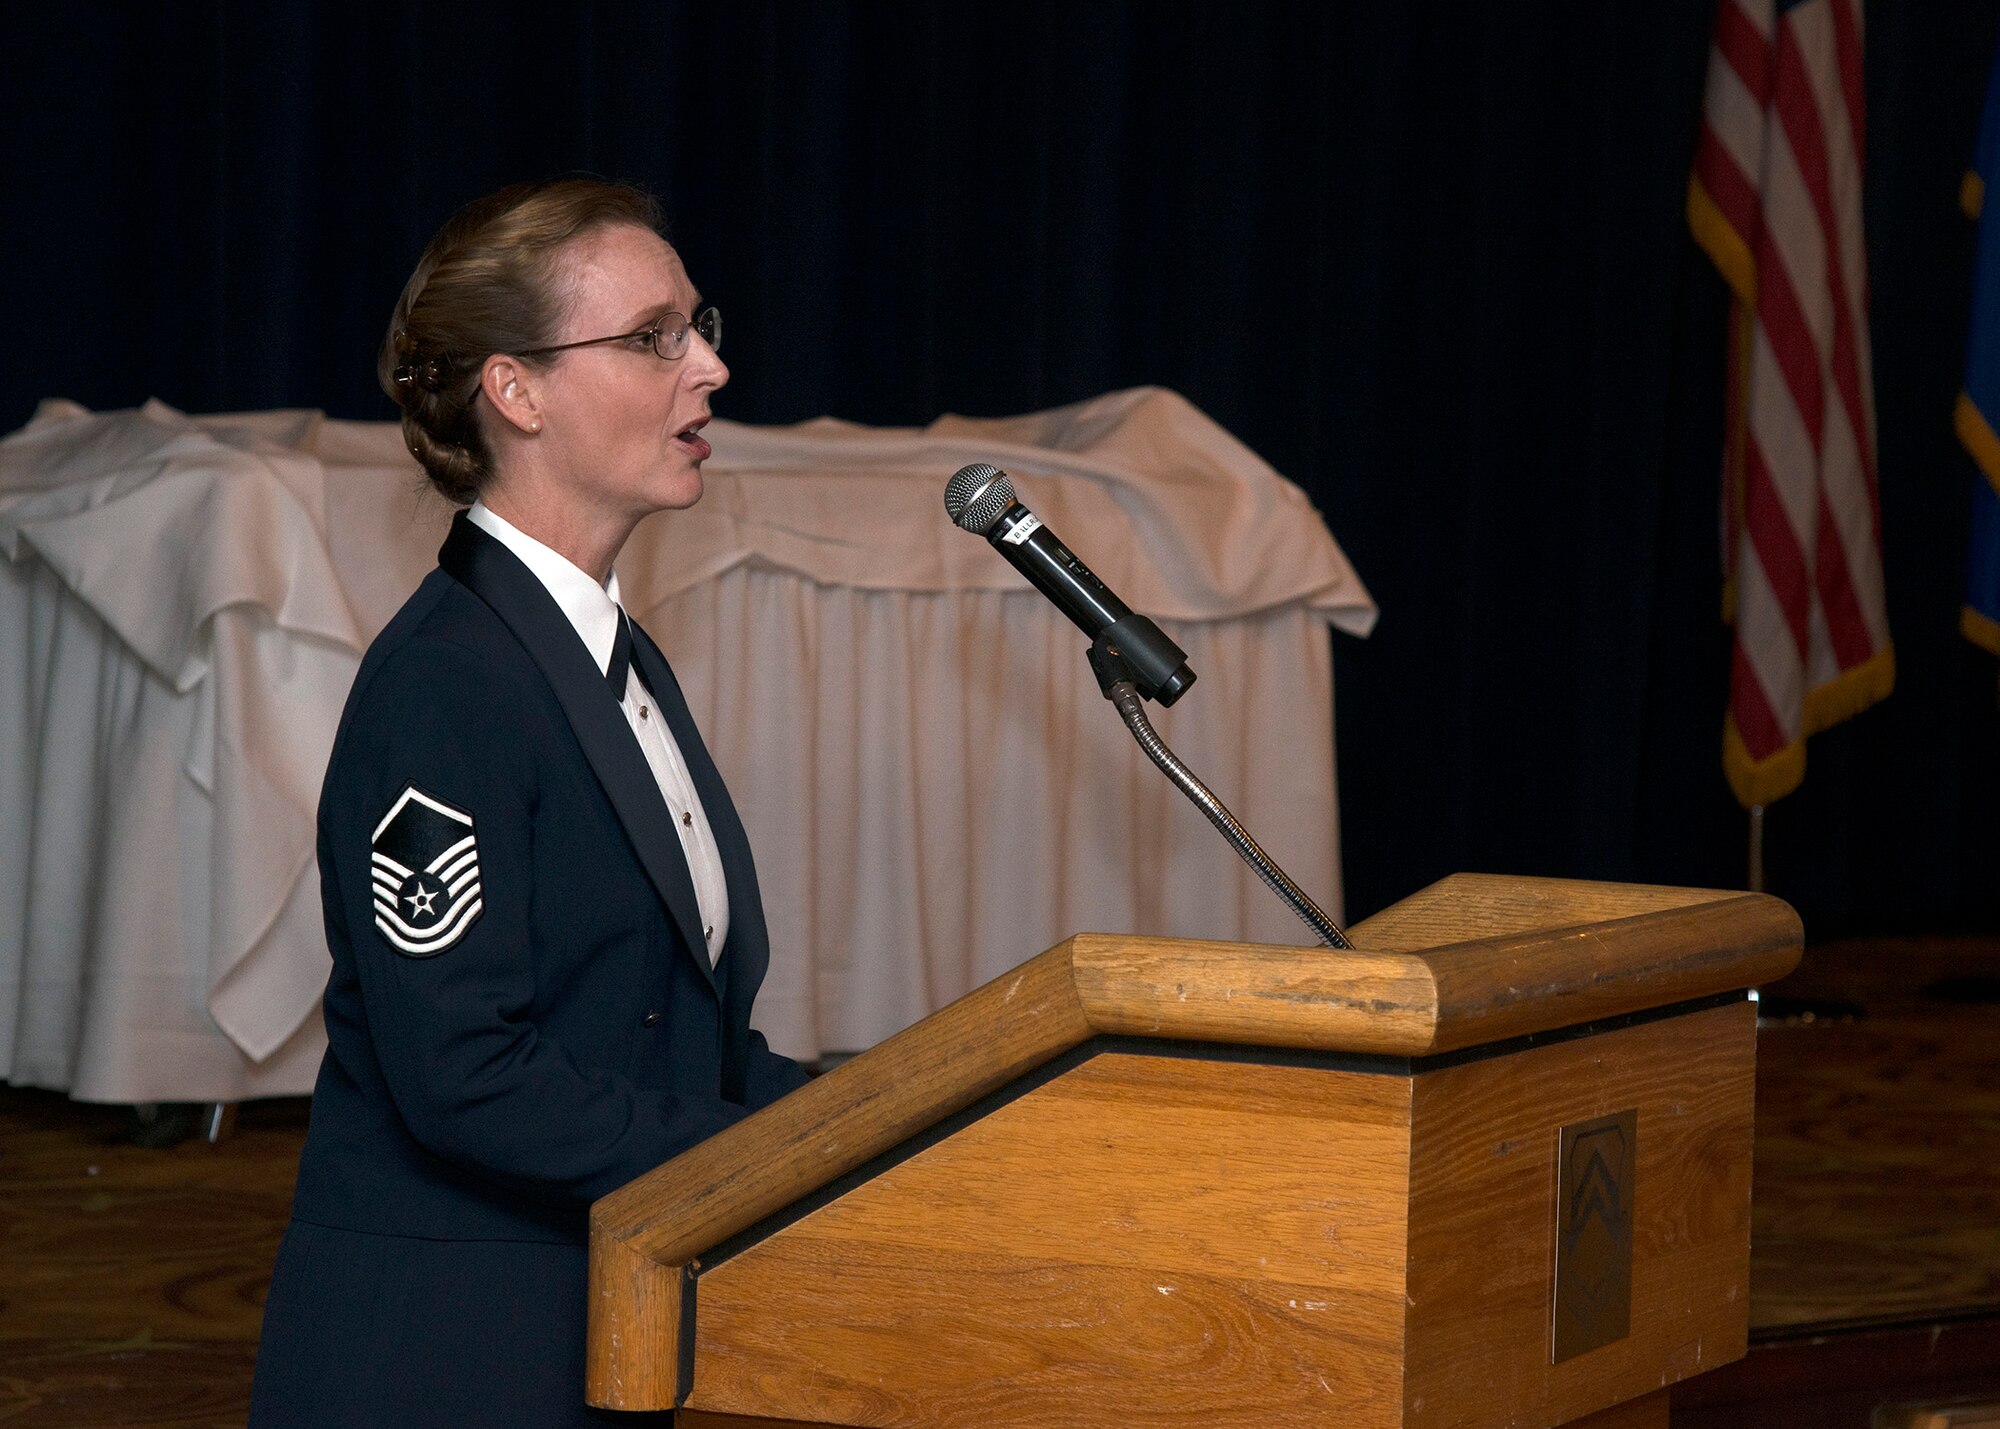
point(428, 374)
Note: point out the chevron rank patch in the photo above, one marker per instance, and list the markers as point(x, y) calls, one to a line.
point(426, 874)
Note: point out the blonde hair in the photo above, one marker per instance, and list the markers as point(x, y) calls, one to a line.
point(491, 281)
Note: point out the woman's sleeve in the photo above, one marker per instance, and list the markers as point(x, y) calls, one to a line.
point(438, 763)
point(769, 1074)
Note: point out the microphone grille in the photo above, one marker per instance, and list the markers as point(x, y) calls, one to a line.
point(977, 496)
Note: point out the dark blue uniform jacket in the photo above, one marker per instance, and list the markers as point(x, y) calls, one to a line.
point(540, 1029)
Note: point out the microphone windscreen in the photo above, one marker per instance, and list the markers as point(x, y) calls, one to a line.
point(977, 496)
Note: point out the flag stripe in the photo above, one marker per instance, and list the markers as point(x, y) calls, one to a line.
point(1791, 346)
point(1780, 432)
point(1750, 708)
point(1746, 50)
point(1799, 110)
point(1847, 47)
point(1856, 519)
point(1777, 548)
point(1809, 143)
point(1730, 192)
point(1765, 641)
point(1846, 627)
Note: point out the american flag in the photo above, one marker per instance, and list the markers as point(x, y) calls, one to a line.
point(1775, 199)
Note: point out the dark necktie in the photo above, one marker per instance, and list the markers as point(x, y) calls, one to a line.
point(621, 657)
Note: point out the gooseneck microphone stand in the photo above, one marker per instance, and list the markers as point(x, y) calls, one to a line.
point(1116, 678)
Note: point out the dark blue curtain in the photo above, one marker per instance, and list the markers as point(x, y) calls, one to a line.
point(1429, 260)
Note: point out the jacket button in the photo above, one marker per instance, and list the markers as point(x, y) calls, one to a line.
point(652, 1019)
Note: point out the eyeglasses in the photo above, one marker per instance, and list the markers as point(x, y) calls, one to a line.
point(668, 334)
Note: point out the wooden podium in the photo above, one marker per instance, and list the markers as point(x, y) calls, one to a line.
point(1491, 1169)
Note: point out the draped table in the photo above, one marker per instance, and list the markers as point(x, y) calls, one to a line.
point(933, 785)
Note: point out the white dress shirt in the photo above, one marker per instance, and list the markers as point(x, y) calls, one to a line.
point(594, 610)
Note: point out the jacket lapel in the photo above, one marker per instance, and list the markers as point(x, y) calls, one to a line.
point(496, 576)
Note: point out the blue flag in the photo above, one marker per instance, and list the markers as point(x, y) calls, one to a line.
point(1978, 415)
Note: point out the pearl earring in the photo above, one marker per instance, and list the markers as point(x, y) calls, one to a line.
point(534, 426)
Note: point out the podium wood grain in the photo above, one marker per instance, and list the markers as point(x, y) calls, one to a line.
point(1224, 1244)
point(1482, 1218)
point(1193, 1224)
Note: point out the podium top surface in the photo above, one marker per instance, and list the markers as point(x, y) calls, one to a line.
point(1475, 958)
point(1470, 961)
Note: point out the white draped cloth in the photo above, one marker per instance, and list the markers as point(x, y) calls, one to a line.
point(932, 783)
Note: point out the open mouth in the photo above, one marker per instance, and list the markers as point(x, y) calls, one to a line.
point(691, 439)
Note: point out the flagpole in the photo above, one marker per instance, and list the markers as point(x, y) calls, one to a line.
point(1756, 848)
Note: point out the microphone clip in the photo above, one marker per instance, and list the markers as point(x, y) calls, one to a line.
point(1136, 651)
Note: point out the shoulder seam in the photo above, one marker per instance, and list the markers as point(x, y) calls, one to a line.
point(488, 661)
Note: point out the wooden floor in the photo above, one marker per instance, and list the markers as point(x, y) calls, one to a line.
point(1875, 1249)
point(131, 1280)
point(1878, 1140)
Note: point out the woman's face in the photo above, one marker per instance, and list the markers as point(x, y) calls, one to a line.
point(621, 427)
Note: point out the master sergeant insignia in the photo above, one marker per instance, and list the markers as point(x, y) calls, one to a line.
point(426, 874)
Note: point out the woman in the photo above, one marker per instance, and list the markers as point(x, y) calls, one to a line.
point(544, 920)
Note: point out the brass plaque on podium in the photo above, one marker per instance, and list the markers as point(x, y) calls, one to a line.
point(1593, 1282)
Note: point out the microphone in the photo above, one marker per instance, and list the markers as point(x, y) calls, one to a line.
point(981, 499)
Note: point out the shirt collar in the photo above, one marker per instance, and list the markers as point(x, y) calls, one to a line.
point(591, 608)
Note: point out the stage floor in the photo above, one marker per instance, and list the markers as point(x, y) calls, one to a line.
point(1875, 1213)
point(1877, 1192)
point(132, 1280)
